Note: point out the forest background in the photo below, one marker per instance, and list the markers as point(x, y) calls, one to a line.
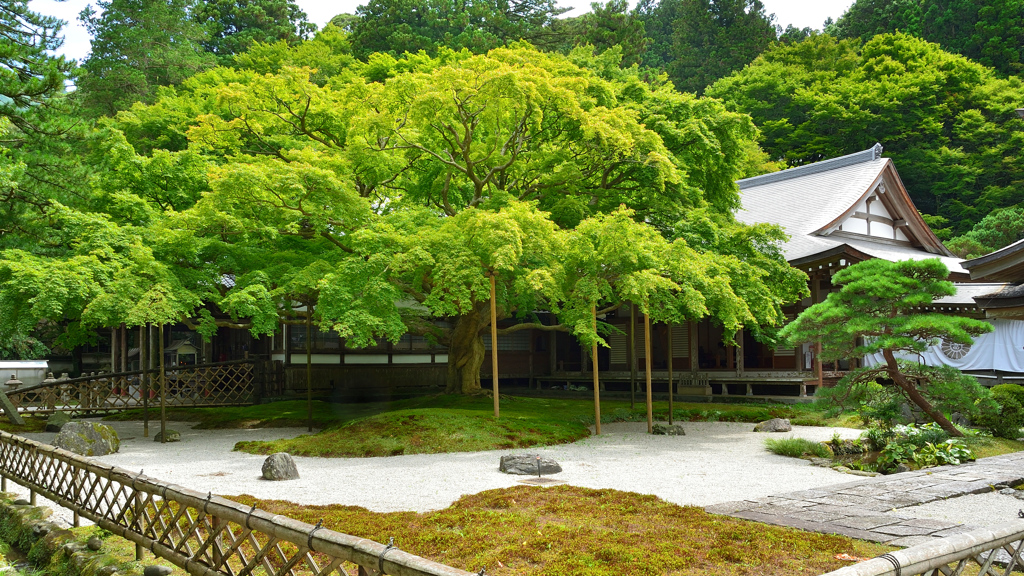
point(130, 178)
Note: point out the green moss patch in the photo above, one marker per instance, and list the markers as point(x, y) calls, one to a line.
point(571, 530)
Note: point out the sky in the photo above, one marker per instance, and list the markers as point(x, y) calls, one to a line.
point(800, 13)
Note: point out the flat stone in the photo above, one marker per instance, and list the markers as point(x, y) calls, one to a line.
point(668, 430)
point(902, 530)
point(541, 481)
point(156, 570)
point(867, 522)
point(172, 436)
point(528, 465)
point(818, 516)
point(728, 508)
point(774, 425)
point(931, 523)
point(908, 541)
point(94, 544)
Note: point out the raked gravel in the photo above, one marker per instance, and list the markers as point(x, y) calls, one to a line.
point(715, 462)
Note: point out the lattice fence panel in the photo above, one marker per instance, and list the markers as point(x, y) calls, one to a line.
point(222, 384)
point(205, 535)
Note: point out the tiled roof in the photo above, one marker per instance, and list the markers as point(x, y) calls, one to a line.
point(805, 199)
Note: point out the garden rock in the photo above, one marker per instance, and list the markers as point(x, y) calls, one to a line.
point(107, 571)
point(172, 436)
point(959, 419)
point(280, 466)
point(94, 544)
point(668, 430)
point(1008, 492)
point(56, 421)
point(156, 570)
point(774, 425)
point(87, 439)
point(526, 464)
point(901, 467)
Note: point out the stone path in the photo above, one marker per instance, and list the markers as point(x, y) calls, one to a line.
point(869, 509)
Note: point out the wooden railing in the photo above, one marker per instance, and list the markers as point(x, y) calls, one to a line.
point(203, 534)
point(994, 552)
point(220, 384)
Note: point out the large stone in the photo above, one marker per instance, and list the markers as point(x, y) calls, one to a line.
point(774, 425)
point(87, 439)
point(668, 430)
point(172, 436)
point(157, 570)
point(280, 466)
point(527, 465)
point(56, 421)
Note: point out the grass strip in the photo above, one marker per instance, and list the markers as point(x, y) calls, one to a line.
point(797, 447)
point(571, 530)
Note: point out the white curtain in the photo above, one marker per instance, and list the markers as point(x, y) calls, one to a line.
point(1001, 349)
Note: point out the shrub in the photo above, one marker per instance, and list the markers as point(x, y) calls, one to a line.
point(1005, 423)
point(917, 446)
point(797, 447)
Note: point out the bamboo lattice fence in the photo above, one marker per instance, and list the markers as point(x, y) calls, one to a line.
point(203, 534)
point(220, 384)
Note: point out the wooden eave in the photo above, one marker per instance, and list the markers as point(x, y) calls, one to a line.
point(897, 202)
point(1003, 265)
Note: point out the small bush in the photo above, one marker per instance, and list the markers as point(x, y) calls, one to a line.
point(796, 447)
point(917, 446)
point(1006, 423)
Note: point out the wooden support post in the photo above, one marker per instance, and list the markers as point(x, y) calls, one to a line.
point(113, 350)
point(597, 383)
point(145, 358)
point(647, 352)
point(32, 497)
point(163, 390)
point(632, 356)
point(3, 483)
point(494, 347)
point(137, 521)
point(124, 348)
point(217, 525)
point(671, 392)
point(740, 352)
point(309, 365)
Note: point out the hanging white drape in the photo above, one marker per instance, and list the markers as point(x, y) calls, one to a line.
point(1002, 349)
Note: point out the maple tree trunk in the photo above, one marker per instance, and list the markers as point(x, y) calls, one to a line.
point(916, 397)
point(466, 353)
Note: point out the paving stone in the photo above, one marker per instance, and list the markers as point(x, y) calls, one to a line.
point(958, 529)
point(867, 522)
point(729, 507)
point(902, 530)
point(818, 516)
point(845, 510)
point(908, 541)
point(930, 523)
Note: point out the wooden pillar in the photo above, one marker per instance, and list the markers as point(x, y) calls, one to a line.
point(113, 349)
point(739, 352)
point(309, 366)
point(494, 347)
point(632, 355)
point(815, 298)
point(647, 352)
point(671, 392)
point(144, 356)
point(124, 348)
point(597, 383)
point(163, 390)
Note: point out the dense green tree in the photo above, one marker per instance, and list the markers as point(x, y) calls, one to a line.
point(947, 122)
point(877, 310)
point(700, 41)
point(388, 192)
point(398, 26)
point(998, 229)
point(988, 31)
point(30, 75)
point(605, 26)
point(234, 25)
point(138, 46)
